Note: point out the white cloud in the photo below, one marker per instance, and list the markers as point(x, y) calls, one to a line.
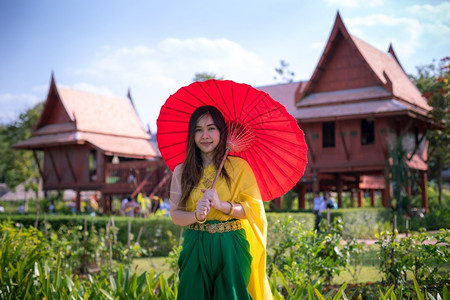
point(434, 21)
point(435, 14)
point(318, 45)
point(380, 30)
point(416, 30)
point(154, 73)
point(15, 104)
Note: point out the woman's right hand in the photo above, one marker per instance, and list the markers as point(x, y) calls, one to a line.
point(202, 208)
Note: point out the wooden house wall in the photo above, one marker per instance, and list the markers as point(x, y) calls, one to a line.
point(68, 167)
point(349, 155)
point(346, 69)
point(59, 114)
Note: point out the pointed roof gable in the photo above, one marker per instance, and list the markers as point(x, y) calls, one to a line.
point(54, 110)
point(341, 65)
point(74, 117)
point(102, 114)
point(349, 64)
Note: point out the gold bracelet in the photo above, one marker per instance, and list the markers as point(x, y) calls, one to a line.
point(198, 221)
point(231, 209)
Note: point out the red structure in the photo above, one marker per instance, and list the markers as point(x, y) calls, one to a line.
point(357, 103)
point(95, 143)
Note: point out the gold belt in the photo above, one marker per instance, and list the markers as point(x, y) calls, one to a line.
point(217, 227)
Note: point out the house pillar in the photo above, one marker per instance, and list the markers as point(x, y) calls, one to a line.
point(105, 204)
point(352, 198)
point(78, 201)
point(409, 190)
point(423, 187)
point(372, 197)
point(387, 190)
point(360, 198)
point(384, 197)
point(316, 184)
point(302, 197)
point(276, 203)
point(339, 191)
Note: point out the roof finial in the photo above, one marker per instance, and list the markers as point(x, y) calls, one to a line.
point(52, 79)
point(392, 52)
point(338, 15)
point(129, 97)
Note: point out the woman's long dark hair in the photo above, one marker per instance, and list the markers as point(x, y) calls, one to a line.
point(193, 166)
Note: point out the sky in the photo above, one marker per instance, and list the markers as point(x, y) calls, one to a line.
point(153, 48)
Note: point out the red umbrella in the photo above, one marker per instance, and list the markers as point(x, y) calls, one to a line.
point(274, 145)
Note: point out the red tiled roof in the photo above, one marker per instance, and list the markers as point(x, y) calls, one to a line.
point(284, 93)
point(345, 96)
point(112, 145)
point(372, 182)
point(49, 140)
point(109, 123)
point(350, 110)
point(394, 82)
point(101, 114)
point(384, 63)
point(417, 163)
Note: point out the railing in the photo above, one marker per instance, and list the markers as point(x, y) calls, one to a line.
point(125, 177)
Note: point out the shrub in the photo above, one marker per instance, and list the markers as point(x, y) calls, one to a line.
point(307, 255)
point(151, 233)
point(35, 268)
point(414, 253)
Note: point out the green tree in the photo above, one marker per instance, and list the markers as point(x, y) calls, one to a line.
point(283, 73)
point(19, 166)
point(401, 176)
point(434, 82)
point(203, 76)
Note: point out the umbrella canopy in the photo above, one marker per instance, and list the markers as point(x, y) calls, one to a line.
point(274, 148)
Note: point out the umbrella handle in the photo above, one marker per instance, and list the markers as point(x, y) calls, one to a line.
point(220, 167)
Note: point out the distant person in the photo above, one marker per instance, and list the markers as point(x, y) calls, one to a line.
point(130, 208)
point(330, 203)
point(317, 209)
point(51, 208)
point(156, 203)
point(2, 209)
point(124, 202)
point(73, 206)
point(165, 207)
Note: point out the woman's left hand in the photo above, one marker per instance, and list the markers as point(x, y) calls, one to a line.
point(212, 196)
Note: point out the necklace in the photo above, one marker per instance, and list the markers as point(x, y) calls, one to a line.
point(208, 180)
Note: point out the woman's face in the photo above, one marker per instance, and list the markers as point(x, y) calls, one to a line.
point(207, 135)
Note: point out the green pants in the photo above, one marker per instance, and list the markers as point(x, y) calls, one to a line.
point(214, 266)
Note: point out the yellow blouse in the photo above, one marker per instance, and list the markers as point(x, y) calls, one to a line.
point(244, 190)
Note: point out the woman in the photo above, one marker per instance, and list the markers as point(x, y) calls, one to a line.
point(223, 254)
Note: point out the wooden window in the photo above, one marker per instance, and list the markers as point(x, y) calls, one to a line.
point(93, 165)
point(328, 135)
point(367, 132)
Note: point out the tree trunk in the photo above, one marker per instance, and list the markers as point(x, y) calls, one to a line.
point(37, 213)
point(439, 178)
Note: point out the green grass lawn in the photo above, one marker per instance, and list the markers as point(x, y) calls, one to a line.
point(158, 264)
point(368, 270)
point(368, 273)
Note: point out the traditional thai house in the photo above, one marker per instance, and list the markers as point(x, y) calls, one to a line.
point(358, 101)
point(95, 143)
